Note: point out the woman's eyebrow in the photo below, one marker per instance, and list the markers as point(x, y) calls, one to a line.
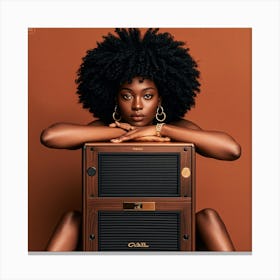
point(129, 89)
point(124, 88)
point(148, 88)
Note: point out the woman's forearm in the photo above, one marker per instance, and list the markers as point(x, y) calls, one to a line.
point(213, 144)
point(67, 136)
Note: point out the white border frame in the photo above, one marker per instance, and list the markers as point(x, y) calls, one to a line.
point(17, 16)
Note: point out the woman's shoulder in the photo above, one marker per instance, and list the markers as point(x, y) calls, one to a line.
point(186, 123)
point(97, 122)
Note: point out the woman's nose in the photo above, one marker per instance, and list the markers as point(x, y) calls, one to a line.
point(137, 104)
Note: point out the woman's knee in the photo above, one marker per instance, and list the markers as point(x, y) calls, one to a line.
point(209, 218)
point(71, 215)
point(71, 218)
point(208, 213)
point(66, 235)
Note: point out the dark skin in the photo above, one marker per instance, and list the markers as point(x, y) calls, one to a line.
point(138, 102)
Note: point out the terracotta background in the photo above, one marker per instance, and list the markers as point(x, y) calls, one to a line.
point(54, 176)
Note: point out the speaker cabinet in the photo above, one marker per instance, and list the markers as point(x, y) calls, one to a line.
point(145, 224)
point(146, 170)
point(138, 197)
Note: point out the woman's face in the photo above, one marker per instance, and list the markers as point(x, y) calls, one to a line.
point(138, 101)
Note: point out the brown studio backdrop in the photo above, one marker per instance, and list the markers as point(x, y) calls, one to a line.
point(54, 176)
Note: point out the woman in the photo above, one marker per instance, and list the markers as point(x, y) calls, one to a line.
point(140, 88)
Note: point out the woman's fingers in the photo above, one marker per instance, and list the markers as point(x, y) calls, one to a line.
point(126, 137)
point(153, 139)
point(135, 133)
point(141, 139)
point(125, 126)
point(112, 125)
point(121, 139)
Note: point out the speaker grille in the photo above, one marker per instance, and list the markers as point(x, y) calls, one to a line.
point(143, 230)
point(139, 174)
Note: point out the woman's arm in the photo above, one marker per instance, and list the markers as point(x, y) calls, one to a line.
point(214, 144)
point(69, 136)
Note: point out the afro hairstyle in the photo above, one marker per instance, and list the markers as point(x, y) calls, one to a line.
point(122, 56)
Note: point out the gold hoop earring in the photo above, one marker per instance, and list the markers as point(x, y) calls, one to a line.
point(160, 115)
point(116, 115)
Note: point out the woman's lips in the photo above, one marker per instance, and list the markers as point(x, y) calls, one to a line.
point(137, 118)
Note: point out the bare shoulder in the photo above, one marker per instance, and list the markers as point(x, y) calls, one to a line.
point(186, 123)
point(97, 123)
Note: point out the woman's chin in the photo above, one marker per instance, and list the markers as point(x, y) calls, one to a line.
point(140, 123)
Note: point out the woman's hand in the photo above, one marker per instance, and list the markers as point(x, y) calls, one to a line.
point(125, 126)
point(146, 133)
point(142, 139)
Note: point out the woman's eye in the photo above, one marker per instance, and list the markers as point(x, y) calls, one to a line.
point(148, 96)
point(126, 96)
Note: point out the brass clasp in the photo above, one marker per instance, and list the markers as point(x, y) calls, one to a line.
point(147, 206)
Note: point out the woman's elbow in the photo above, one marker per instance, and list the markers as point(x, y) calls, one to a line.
point(235, 152)
point(46, 137)
point(49, 137)
point(59, 136)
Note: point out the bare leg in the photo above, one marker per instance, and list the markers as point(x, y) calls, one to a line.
point(212, 234)
point(66, 234)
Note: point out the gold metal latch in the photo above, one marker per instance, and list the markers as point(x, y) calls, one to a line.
point(138, 206)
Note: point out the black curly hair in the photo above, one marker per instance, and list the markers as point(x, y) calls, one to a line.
point(120, 58)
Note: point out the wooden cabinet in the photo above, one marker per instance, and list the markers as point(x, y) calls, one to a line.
point(138, 197)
